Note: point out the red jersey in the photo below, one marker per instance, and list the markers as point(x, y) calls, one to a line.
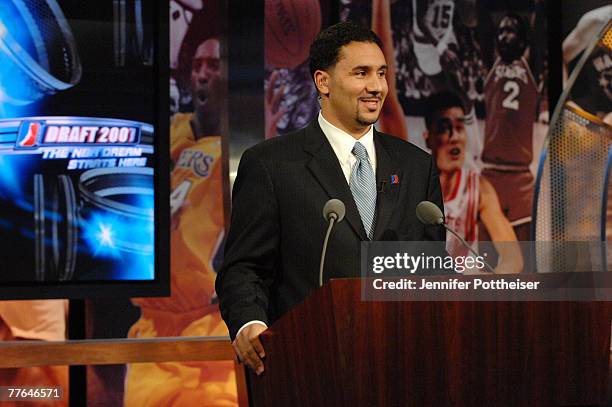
point(511, 97)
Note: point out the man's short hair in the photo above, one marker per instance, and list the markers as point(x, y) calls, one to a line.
point(439, 102)
point(205, 24)
point(325, 49)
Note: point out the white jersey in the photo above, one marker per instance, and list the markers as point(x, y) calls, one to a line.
point(180, 17)
point(432, 32)
point(461, 211)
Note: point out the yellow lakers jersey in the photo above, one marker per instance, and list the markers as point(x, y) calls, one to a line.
point(196, 203)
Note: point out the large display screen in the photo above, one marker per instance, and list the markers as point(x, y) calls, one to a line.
point(79, 144)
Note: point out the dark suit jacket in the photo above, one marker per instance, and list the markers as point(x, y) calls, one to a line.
point(273, 249)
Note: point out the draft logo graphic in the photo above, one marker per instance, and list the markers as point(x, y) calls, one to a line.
point(28, 135)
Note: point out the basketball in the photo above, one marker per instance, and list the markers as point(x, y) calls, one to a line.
point(291, 25)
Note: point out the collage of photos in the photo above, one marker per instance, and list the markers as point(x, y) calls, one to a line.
point(467, 82)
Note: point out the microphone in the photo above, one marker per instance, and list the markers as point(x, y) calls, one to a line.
point(334, 209)
point(333, 212)
point(431, 215)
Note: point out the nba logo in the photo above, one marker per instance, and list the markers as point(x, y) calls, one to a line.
point(31, 131)
point(394, 179)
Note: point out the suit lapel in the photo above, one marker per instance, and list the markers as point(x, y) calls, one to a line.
point(386, 168)
point(325, 167)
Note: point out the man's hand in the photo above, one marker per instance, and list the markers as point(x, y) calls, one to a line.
point(248, 347)
point(272, 105)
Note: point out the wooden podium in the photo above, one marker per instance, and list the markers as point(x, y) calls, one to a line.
point(336, 350)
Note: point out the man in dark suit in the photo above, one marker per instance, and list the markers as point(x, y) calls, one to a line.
point(274, 244)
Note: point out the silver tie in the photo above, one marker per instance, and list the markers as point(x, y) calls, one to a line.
point(363, 187)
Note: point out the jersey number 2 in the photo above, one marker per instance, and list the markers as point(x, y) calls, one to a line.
point(511, 100)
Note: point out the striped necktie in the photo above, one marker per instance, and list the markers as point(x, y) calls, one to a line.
point(363, 187)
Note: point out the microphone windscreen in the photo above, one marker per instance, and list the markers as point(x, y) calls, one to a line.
point(429, 213)
point(334, 206)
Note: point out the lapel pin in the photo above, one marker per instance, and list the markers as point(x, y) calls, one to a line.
point(394, 179)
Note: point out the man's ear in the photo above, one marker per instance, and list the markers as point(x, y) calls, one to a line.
point(321, 80)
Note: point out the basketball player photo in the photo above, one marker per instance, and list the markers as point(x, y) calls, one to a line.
point(511, 97)
point(468, 196)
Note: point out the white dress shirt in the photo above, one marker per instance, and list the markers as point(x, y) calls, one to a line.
point(342, 143)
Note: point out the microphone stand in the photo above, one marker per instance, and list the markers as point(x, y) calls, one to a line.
point(464, 243)
point(332, 220)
